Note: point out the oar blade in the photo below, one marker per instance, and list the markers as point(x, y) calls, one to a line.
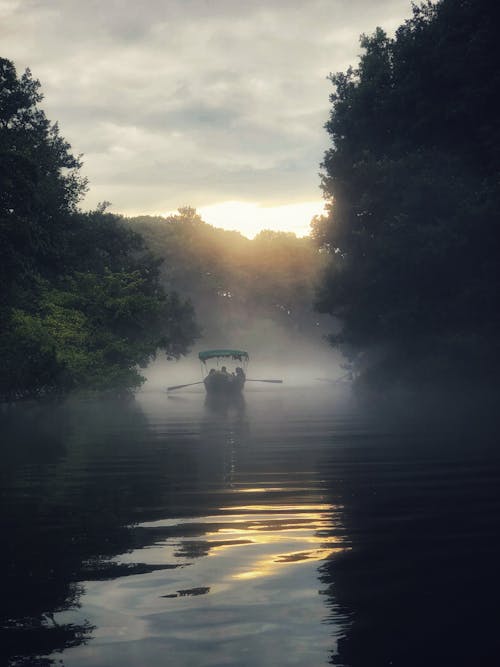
point(273, 381)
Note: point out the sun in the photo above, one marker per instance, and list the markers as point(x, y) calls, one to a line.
point(251, 218)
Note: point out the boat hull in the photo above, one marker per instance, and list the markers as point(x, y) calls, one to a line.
point(223, 384)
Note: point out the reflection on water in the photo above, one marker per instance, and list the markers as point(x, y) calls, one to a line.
point(135, 537)
point(226, 405)
point(263, 538)
point(281, 529)
point(219, 591)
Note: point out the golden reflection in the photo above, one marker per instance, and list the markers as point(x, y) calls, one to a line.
point(276, 536)
point(278, 508)
point(269, 489)
point(267, 567)
point(261, 489)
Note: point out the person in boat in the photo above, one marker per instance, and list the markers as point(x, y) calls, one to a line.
point(208, 381)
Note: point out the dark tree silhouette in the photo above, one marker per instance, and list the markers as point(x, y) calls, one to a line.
point(81, 304)
point(412, 186)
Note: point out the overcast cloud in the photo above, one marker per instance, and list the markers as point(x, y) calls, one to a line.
point(195, 102)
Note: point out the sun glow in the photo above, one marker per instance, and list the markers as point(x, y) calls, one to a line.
point(250, 219)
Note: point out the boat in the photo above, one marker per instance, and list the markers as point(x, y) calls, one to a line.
point(218, 378)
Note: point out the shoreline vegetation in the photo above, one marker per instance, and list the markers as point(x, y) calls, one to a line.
point(405, 258)
point(81, 304)
point(88, 299)
point(412, 185)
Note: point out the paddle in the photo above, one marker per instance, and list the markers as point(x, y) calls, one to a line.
point(275, 381)
point(180, 386)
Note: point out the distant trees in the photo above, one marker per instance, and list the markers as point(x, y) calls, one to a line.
point(232, 281)
point(81, 305)
point(413, 197)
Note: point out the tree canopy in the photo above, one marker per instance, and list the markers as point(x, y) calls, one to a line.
point(413, 192)
point(81, 304)
point(240, 288)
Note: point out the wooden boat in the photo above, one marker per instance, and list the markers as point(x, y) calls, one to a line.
point(218, 379)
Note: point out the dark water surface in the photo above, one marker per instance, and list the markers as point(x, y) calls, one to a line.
point(290, 528)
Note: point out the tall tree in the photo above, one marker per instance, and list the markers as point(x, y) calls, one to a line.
point(81, 305)
point(40, 182)
point(412, 187)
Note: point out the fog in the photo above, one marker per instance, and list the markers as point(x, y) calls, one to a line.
point(274, 353)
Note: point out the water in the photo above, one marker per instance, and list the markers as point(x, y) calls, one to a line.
point(288, 528)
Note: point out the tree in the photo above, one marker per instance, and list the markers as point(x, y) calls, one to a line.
point(40, 184)
point(235, 282)
point(412, 190)
point(81, 305)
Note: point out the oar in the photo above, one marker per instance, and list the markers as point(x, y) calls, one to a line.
point(180, 386)
point(275, 381)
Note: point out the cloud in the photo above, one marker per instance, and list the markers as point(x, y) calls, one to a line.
point(192, 101)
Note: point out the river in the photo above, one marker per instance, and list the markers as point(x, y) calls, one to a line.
point(288, 528)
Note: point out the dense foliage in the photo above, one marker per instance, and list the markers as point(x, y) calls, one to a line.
point(81, 305)
point(244, 291)
point(413, 191)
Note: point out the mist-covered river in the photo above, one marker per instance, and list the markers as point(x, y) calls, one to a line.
point(288, 528)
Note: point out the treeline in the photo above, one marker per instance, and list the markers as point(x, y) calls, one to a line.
point(245, 292)
point(412, 185)
point(409, 246)
point(88, 298)
point(81, 303)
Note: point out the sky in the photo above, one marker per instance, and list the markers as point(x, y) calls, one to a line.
point(215, 104)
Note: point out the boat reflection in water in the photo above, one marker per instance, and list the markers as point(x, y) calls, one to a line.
point(225, 404)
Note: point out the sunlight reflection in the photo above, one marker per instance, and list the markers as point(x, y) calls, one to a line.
point(280, 535)
point(259, 489)
point(269, 566)
point(279, 508)
point(255, 540)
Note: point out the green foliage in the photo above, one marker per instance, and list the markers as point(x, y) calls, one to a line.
point(412, 185)
point(39, 181)
point(81, 305)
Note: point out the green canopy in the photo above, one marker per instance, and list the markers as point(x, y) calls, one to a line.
point(237, 355)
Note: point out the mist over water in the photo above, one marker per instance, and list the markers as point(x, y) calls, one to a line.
point(291, 527)
point(275, 353)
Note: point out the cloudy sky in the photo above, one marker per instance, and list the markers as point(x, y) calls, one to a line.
point(216, 104)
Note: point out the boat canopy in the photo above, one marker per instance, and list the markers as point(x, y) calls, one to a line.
point(237, 355)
